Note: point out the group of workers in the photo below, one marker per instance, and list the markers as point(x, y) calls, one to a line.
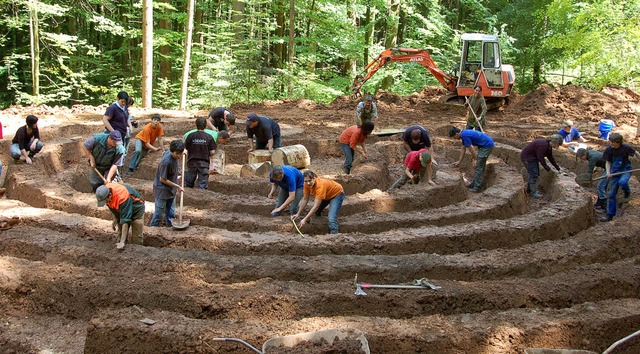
point(106, 152)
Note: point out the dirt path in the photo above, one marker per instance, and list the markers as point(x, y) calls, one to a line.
point(515, 272)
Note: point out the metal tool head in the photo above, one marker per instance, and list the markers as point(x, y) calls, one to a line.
point(359, 291)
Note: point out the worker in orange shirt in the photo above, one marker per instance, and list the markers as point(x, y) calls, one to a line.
point(352, 140)
point(145, 140)
point(326, 193)
point(127, 207)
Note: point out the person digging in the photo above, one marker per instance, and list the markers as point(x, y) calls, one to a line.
point(417, 168)
point(127, 207)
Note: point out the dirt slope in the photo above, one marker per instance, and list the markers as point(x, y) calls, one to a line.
point(514, 272)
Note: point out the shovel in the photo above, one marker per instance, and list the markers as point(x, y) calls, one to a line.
point(181, 224)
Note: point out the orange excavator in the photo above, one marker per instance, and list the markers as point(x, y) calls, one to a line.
point(480, 64)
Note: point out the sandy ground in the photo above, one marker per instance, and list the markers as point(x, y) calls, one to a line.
point(514, 272)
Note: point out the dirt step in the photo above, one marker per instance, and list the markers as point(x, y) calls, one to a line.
point(597, 245)
point(601, 323)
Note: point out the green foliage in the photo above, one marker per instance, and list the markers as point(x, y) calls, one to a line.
point(90, 50)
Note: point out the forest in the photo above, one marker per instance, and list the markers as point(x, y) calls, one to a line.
point(197, 54)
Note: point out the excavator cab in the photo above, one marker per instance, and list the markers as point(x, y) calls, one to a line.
point(481, 64)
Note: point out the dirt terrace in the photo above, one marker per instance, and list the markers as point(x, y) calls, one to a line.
point(514, 272)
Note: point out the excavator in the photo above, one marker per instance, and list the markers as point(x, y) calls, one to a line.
point(481, 64)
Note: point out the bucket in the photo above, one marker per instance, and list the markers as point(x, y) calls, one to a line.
point(294, 155)
point(257, 156)
point(260, 169)
point(330, 337)
point(217, 163)
point(605, 127)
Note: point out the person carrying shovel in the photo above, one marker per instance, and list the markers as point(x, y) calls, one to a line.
point(477, 110)
point(166, 184)
point(617, 157)
point(127, 207)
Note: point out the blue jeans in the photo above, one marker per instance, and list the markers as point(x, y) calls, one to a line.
point(201, 173)
point(334, 207)
point(533, 168)
point(164, 207)
point(16, 152)
point(284, 194)
point(602, 188)
point(348, 157)
point(615, 183)
point(481, 163)
point(139, 153)
point(263, 145)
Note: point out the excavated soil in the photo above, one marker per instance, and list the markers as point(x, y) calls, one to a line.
point(513, 272)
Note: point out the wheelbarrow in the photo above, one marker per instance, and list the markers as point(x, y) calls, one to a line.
point(612, 348)
point(281, 344)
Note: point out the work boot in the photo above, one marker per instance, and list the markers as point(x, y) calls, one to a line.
point(601, 210)
point(607, 218)
point(627, 197)
point(600, 203)
point(536, 194)
point(470, 185)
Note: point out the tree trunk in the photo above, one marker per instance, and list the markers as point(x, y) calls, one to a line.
point(237, 18)
point(311, 44)
point(165, 50)
point(147, 53)
point(391, 38)
point(350, 64)
point(292, 37)
point(278, 49)
point(370, 19)
point(35, 47)
point(187, 54)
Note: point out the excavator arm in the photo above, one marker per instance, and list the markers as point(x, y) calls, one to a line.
point(419, 56)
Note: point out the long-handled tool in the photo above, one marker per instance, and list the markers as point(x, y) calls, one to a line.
point(181, 224)
point(615, 174)
point(293, 221)
point(474, 114)
point(417, 284)
point(104, 180)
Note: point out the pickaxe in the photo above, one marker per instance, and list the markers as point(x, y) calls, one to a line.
point(417, 284)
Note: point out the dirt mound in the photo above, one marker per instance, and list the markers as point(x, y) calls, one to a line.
point(574, 102)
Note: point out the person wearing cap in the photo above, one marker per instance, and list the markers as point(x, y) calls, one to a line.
point(417, 168)
point(116, 116)
point(200, 148)
point(166, 184)
point(350, 139)
point(595, 159)
point(617, 156)
point(221, 118)
point(367, 110)
point(326, 193)
point(105, 153)
point(483, 143)
point(145, 140)
point(26, 143)
point(127, 207)
point(265, 130)
point(570, 134)
point(533, 155)
point(416, 138)
point(291, 183)
point(477, 110)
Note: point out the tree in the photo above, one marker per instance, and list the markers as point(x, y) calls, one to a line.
point(147, 54)
point(391, 35)
point(35, 47)
point(187, 54)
